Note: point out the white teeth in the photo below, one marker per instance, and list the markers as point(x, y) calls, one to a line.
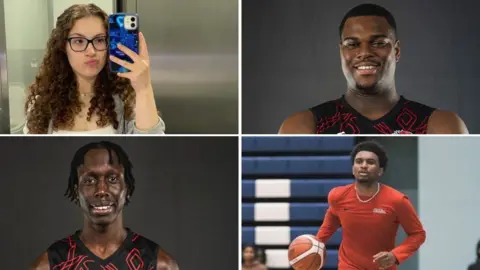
point(102, 207)
point(365, 67)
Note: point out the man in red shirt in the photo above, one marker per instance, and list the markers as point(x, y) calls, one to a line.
point(370, 214)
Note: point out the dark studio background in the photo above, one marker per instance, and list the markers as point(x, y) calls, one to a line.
point(186, 197)
point(291, 59)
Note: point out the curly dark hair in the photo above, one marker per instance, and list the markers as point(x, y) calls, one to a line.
point(374, 147)
point(54, 96)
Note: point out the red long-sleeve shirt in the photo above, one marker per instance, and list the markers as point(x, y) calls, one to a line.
point(370, 227)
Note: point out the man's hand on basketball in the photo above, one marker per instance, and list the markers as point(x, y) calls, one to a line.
point(384, 260)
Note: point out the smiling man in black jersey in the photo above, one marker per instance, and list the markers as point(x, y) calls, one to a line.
point(101, 183)
point(369, 51)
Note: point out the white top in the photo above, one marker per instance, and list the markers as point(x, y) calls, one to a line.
point(104, 130)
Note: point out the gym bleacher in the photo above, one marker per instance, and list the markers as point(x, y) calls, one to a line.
point(285, 183)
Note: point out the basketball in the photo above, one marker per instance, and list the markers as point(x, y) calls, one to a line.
point(306, 253)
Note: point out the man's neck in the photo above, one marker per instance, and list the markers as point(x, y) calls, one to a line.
point(97, 235)
point(375, 104)
point(367, 189)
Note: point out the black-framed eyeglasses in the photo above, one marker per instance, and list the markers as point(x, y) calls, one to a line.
point(80, 44)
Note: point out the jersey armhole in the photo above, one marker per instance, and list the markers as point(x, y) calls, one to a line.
point(155, 258)
point(49, 258)
point(315, 118)
point(324, 111)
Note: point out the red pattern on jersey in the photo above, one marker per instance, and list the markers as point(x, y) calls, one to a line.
point(133, 260)
point(406, 122)
point(347, 120)
point(73, 262)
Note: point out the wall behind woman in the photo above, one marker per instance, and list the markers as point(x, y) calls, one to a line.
point(26, 36)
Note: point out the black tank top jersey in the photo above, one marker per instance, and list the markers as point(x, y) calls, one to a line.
point(136, 253)
point(337, 117)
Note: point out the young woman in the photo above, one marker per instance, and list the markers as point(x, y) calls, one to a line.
point(250, 259)
point(74, 91)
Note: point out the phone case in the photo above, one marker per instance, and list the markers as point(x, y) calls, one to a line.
point(120, 32)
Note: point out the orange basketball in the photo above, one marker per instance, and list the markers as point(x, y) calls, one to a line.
point(306, 253)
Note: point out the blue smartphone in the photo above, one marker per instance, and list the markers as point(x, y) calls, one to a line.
point(122, 28)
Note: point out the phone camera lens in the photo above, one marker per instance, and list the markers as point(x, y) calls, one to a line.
point(132, 19)
point(132, 25)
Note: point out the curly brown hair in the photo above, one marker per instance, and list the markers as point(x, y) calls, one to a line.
point(54, 96)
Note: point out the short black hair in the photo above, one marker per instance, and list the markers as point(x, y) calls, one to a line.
point(374, 147)
point(369, 10)
point(78, 159)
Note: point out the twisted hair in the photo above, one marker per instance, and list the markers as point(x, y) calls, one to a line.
point(53, 94)
point(78, 159)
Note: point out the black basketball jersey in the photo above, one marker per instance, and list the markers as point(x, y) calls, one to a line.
point(136, 253)
point(338, 117)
